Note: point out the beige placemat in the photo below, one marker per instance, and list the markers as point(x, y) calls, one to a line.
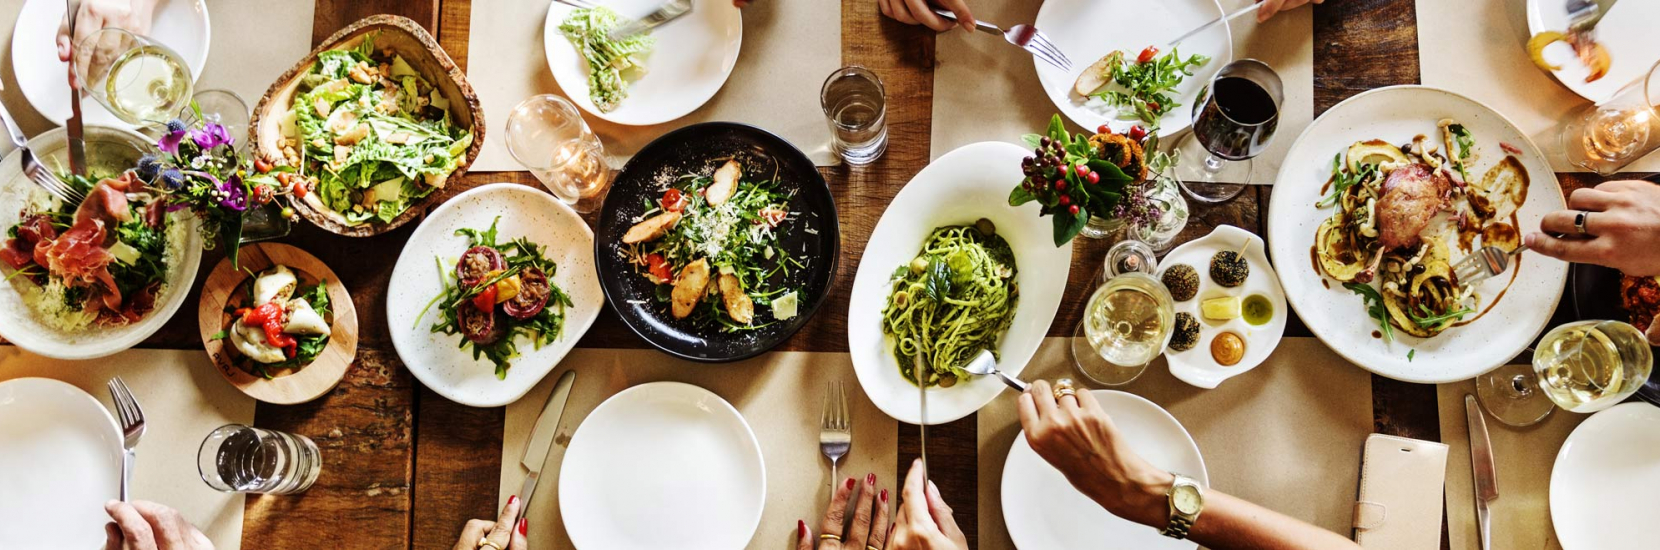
point(779, 395)
point(1522, 457)
point(184, 399)
point(1286, 435)
point(1479, 48)
point(987, 90)
point(786, 55)
point(254, 42)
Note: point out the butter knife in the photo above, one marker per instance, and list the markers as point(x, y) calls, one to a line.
point(77, 141)
point(1481, 468)
point(1229, 17)
point(667, 12)
point(922, 416)
point(541, 437)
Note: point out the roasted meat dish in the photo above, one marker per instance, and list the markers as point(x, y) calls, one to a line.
point(1412, 194)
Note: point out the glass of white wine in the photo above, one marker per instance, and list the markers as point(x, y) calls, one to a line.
point(1610, 135)
point(1127, 323)
point(137, 79)
point(1584, 367)
point(547, 135)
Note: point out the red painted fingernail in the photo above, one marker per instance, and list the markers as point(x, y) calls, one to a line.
point(870, 479)
point(524, 526)
point(884, 495)
point(801, 528)
point(512, 499)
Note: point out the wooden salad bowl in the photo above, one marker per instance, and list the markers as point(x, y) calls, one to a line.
point(422, 52)
point(288, 386)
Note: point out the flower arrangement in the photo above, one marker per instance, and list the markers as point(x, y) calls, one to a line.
point(1106, 177)
point(198, 168)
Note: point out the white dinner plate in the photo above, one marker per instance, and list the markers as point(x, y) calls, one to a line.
point(1085, 30)
point(20, 324)
point(434, 357)
point(1627, 31)
point(968, 183)
point(60, 461)
point(1044, 511)
point(1197, 366)
point(663, 465)
point(1606, 480)
point(181, 25)
point(693, 56)
point(1338, 316)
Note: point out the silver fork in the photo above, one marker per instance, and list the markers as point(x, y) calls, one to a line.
point(1483, 264)
point(1026, 36)
point(132, 428)
point(835, 432)
point(32, 167)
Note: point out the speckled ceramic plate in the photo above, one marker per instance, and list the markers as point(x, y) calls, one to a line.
point(812, 235)
point(435, 358)
point(1338, 316)
point(1198, 366)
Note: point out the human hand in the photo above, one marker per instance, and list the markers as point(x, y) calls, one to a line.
point(741, 3)
point(924, 521)
point(129, 15)
point(144, 525)
point(921, 12)
point(1271, 7)
point(1622, 228)
point(870, 520)
point(500, 534)
point(1077, 437)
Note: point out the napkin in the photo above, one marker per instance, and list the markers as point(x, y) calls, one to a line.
point(1479, 48)
point(1522, 457)
point(1286, 435)
point(786, 55)
point(184, 399)
point(779, 395)
point(984, 75)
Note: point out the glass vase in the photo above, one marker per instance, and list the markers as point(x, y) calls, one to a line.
point(1161, 234)
point(1101, 228)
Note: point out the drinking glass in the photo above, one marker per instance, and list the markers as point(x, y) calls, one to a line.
point(137, 79)
point(1126, 324)
point(1232, 123)
point(244, 459)
point(222, 107)
point(1127, 256)
point(856, 105)
point(1606, 137)
point(547, 135)
point(1584, 367)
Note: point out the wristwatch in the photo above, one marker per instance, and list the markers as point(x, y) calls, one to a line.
point(1187, 500)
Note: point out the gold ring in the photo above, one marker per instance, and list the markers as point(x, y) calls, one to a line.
point(869, 547)
point(1063, 388)
point(483, 542)
point(828, 536)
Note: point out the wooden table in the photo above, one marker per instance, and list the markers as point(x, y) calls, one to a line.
point(405, 468)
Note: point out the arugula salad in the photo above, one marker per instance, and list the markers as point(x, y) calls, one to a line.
point(589, 31)
point(711, 246)
point(279, 323)
point(497, 293)
point(373, 132)
point(1139, 87)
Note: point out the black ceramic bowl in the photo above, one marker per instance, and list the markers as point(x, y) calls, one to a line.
point(700, 149)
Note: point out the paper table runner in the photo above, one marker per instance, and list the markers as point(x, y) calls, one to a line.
point(1479, 48)
point(1522, 457)
point(779, 395)
point(1286, 435)
point(787, 53)
point(987, 90)
point(184, 399)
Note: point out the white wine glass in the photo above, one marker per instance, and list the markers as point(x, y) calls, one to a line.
point(1127, 323)
point(1610, 135)
point(137, 79)
point(547, 135)
point(1584, 367)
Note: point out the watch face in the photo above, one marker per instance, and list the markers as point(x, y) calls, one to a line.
point(1186, 498)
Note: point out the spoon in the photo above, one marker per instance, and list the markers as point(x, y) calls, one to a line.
point(985, 364)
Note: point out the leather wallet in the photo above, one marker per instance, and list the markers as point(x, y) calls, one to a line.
point(1401, 493)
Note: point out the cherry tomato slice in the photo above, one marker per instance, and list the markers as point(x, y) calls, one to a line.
point(659, 267)
point(1147, 54)
point(674, 200)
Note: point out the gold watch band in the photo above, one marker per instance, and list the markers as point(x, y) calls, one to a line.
point(1181, 522)
point(1178, 527)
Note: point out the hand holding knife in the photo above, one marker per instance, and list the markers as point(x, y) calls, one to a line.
point(541, 437)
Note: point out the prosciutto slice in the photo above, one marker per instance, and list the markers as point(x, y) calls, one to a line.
point(80, 256)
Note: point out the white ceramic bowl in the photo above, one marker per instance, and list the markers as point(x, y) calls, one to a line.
point(61, 463)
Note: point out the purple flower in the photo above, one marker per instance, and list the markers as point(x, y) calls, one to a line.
point(211, 135)
point(232, 196)
point(169, 142)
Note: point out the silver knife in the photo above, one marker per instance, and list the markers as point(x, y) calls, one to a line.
point(77, 142)
point(1481, 467)
point(667, 12)
point(922, 420)
point(541, 437)
point(1229, 17)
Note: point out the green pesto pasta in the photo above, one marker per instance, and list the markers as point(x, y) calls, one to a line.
point(953, 300)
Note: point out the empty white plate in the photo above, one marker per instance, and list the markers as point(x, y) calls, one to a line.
point(693, 56)
point(663, 465)
point(60, 461)
point(181, 25)
point(1606, 481)
point(1044, 511)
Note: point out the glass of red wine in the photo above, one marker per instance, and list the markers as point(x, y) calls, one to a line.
point(1233, 120)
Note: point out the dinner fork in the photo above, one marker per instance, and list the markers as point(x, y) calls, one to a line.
point(132, 428)
point(1484, 263)
point(1026, 36)
point(835, 432)
point(32, 167)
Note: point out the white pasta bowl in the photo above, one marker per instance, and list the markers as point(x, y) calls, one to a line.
point(966, 184)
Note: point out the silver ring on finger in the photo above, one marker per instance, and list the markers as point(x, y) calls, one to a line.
point(1580, 218)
